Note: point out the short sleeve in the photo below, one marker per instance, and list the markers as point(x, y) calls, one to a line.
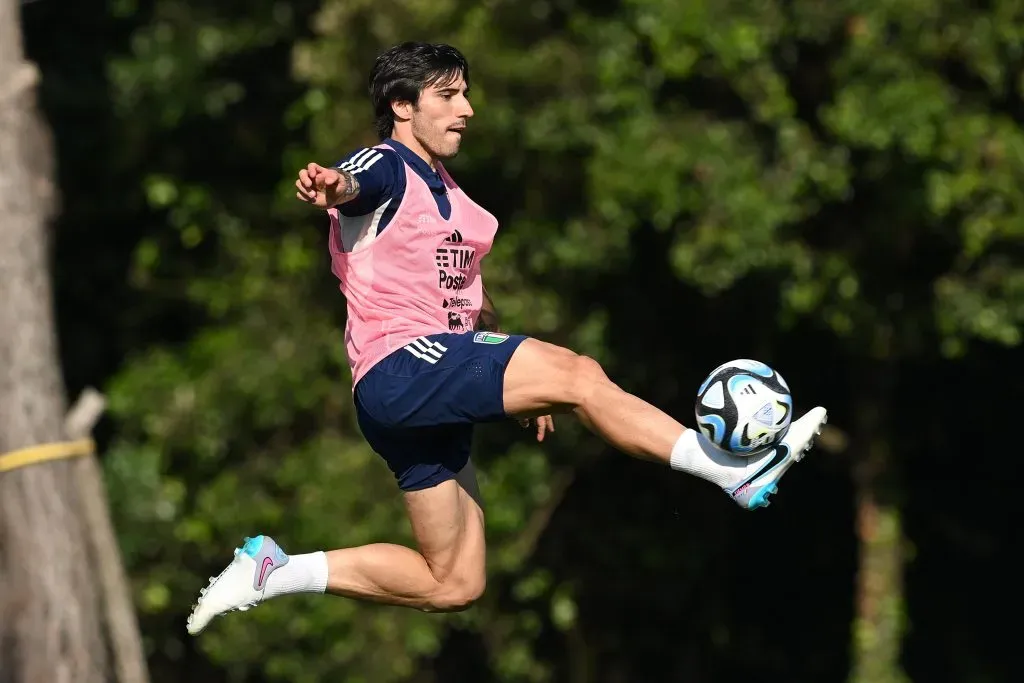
point(380, 174)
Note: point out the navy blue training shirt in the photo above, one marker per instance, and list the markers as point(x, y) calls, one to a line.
point(381, 176)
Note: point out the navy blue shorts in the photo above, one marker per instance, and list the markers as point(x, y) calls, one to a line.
point(417, 407)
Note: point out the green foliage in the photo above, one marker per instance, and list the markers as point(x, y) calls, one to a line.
point(862, 155)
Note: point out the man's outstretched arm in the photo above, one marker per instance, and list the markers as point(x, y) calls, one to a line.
point(326, 187)
point(358, 184)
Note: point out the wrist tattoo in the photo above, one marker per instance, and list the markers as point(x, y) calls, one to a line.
point(351, 184)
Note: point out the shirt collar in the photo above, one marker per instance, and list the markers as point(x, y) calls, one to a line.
point(431, 177)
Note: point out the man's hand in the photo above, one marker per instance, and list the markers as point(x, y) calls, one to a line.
point(544, 424)
point(325, 187)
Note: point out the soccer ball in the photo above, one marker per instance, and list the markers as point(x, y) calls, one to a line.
point(744, 407)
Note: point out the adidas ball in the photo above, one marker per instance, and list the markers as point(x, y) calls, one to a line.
point(744, 407)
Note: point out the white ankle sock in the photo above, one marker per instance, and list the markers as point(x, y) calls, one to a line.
point(695, 455)
point(302, 574)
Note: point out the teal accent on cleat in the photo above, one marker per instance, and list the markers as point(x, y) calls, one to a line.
point(760, 499)
point(240, 586)
point(753, 492)
point(252, 546)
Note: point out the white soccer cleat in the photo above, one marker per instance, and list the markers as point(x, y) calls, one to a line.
point(753, 491)
point(241, 585)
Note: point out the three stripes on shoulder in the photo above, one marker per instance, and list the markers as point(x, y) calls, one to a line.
point(361, 161)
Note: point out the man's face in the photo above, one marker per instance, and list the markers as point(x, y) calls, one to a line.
point(440, 116)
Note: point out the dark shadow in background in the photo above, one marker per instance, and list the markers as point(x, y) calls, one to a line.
point(673, 582)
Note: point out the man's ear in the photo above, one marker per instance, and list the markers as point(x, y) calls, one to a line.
point(402, 109)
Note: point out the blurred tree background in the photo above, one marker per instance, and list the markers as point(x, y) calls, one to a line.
point(834, 188)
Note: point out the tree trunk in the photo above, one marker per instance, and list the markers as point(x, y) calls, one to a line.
point(129, 659)
point(50, 625)
point(880, 608)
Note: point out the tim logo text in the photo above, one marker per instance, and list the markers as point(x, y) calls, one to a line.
point(451, 259)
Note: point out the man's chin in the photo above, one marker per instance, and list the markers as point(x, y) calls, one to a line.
point(447, 152)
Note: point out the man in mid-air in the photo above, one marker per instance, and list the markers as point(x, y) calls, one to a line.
point(428, 363)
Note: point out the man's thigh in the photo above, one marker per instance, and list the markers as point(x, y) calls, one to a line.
point(433, 469)
point(448, 525)
point(543, 378)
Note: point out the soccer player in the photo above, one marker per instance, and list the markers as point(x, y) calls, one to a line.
point(406, 245)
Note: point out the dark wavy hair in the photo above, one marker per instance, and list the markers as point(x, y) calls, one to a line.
point(403, 71)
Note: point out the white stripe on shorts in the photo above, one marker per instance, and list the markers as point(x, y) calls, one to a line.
point(424, 349)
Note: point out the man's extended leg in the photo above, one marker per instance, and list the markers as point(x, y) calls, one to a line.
point(542, 378)
point(447, 574)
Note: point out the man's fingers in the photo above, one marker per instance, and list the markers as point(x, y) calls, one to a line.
point(328, 180)
point(313, 180)
point(306, 195)
point(545, 424)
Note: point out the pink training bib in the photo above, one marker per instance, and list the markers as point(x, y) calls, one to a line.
point(420, 276)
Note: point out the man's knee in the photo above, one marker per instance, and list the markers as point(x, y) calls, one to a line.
point(585, 375)
point(458, 592)
point(576, 378)
point(546, 377)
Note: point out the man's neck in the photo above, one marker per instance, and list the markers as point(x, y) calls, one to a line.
point(415, 147)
